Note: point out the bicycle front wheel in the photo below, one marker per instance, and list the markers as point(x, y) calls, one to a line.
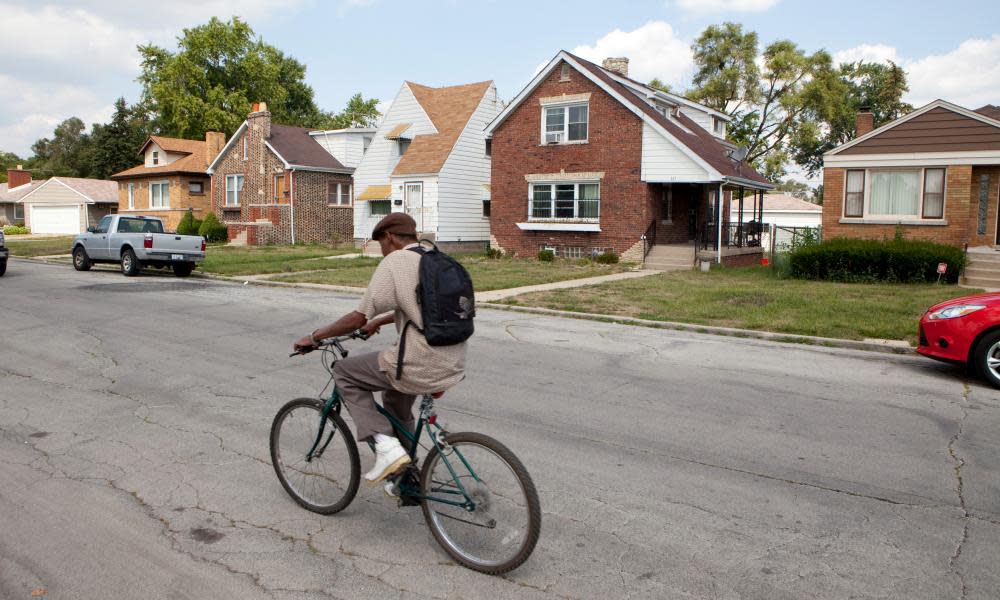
point(501, 531)
point(327, 481)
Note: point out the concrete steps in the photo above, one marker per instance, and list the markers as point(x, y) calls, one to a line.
point(670, 258)
point(982, 270)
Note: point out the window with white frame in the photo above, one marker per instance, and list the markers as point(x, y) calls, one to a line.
point(234, 187)
point(159, 195)
point(564, 201)
point(131, 196)
point(572, 252)
point(338, 194)
point(156, 158)
point(378, 208)
point(565, 123)
point(895, 194)
point(18, 211)
point(245, 148)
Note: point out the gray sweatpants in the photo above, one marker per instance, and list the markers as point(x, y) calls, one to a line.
point(357, 378)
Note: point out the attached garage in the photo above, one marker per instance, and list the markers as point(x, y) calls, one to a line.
point(68, 205)
point(58, 218)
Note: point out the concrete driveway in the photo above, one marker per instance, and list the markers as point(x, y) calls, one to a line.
point(134, 417)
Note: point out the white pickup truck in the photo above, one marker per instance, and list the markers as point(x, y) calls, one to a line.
point(137, 242)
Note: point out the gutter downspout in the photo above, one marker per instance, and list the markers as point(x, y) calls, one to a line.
point(718, 247)
point(291, 199)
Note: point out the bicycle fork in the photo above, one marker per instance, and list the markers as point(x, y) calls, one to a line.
point(330, 404)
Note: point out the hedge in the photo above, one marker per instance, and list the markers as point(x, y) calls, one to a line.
point(188, 224)
point(212, 230)
point(861, 261)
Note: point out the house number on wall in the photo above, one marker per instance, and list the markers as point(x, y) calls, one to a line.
point(984, 187)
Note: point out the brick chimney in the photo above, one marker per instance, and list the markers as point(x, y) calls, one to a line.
point(618, 65)
point(214, 141)
point(863, 122)
point(17, 177)
point(259, 121)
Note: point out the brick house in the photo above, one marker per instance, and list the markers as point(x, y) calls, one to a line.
point(934, 172)
point(19, 183)
point(275, 184)
point(586, 159)
point(172, 179)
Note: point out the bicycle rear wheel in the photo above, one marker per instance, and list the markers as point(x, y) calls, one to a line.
point(501, 531)
point(328, 481)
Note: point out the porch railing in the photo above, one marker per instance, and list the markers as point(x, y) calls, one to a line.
point(649, 239)
point(734, 235)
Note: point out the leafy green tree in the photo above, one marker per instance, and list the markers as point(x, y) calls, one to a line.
point(116, 144)
point(358, 113)
point(212, 230)
point(219, 70)
point(657, 84)
point(8, 160)
point(794, 188)
point(68, 152)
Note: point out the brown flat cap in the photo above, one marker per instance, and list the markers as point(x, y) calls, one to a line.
point(398, 223)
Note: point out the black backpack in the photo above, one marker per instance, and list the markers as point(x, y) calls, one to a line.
point(447, 301)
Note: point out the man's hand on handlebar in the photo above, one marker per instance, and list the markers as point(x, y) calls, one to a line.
point(304, 345)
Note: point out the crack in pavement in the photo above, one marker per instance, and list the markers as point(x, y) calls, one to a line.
point(959, 462)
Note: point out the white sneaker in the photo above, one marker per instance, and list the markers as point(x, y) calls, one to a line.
point(389, 458)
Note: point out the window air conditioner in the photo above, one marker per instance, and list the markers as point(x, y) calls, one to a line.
point(553, 138)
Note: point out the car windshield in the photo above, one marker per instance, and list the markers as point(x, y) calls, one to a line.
point(131, 225)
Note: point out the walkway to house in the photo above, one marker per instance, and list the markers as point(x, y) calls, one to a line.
point(670, 257)
point(494, 295)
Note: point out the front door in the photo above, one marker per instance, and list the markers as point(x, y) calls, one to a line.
point(414, 198)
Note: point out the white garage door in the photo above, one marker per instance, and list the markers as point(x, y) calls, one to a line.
point(55, 219)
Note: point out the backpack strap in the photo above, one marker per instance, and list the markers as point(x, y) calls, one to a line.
point(402, 348)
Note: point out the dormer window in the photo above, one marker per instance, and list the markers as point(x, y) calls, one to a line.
point(720, 126)
point(565, 123)
point(156, 158)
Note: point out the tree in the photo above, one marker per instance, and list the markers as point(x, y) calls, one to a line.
point(219, 70)
point(358, 113)
point(8, 160)
point(878, 87)
point(657, 84)
point(67, 153)
point(116, 144)
point(794, 188)
point(767, 103)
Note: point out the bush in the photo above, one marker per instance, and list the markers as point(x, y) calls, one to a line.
point(493, 253)
point(546, 255)
point(212, 230)
point(16, 230)
point(189, 225)
point(864, 261)
point(607, 257)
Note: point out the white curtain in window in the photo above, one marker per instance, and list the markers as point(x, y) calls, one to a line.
point(895, 193)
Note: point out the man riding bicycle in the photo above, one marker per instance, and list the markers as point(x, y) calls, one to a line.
point(391, 297)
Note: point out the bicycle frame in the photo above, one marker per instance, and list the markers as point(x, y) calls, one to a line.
point(428, 420)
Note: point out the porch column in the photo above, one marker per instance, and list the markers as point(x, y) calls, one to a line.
point(739, 223)
point(718, 241)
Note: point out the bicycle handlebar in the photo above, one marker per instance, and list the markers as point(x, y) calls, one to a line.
point(357, 334)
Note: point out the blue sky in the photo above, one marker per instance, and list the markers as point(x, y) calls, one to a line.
point(74, 58)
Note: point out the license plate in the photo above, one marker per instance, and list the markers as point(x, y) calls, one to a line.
point(176, 257)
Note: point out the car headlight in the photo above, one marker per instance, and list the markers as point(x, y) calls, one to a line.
point(953, 312)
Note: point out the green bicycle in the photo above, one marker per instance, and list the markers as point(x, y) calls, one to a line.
point(476, 495)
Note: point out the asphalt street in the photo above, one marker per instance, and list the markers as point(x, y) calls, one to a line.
point(134, 418)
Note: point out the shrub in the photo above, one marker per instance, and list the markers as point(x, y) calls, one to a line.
point(493, 253)
point(584, 262)
point(608, 257)
point(896, 261)
point(212, 230)
point(546, 255)
point(189, 225)
point(16, 230)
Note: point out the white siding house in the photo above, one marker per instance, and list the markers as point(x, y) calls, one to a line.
point(428, 159)
point(346, 145)
point(68, 205)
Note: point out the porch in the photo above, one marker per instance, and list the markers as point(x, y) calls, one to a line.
point(691, 221)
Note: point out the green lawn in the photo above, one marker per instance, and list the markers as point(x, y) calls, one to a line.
point(753, 298)
point(257, 260)
point(486, 274)
point(40, 247)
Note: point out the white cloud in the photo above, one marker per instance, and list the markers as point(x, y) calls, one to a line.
point(719, 6)
point(969, 75)
point(653, 50)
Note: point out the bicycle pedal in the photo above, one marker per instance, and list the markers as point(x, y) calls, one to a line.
point(407, 500)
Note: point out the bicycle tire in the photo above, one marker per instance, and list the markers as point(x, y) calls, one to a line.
point(533, 507)
point(341, 429)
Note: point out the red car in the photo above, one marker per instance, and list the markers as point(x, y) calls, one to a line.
point(965, 330)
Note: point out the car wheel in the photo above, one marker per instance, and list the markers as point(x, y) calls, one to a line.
point(183, 269)
point(987, 358)
point(3, 267)
point(130, 264)
point(81, 262)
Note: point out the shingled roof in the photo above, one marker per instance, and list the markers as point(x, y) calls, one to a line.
point(449, 109)
point(194, 163)
point(699, 141)
point(298, 148)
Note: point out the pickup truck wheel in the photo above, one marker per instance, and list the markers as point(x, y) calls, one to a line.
point(3, 267)
point(81, 262)
point(183, 269)
point(130, 264)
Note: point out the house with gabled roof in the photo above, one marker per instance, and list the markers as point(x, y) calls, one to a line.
point(276, 184)
point(68, 205)
point(429, 159)
point(172, 179)
point(19, 183)
point(586, 159)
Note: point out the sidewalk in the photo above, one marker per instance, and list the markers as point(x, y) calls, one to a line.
point(494, 295)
